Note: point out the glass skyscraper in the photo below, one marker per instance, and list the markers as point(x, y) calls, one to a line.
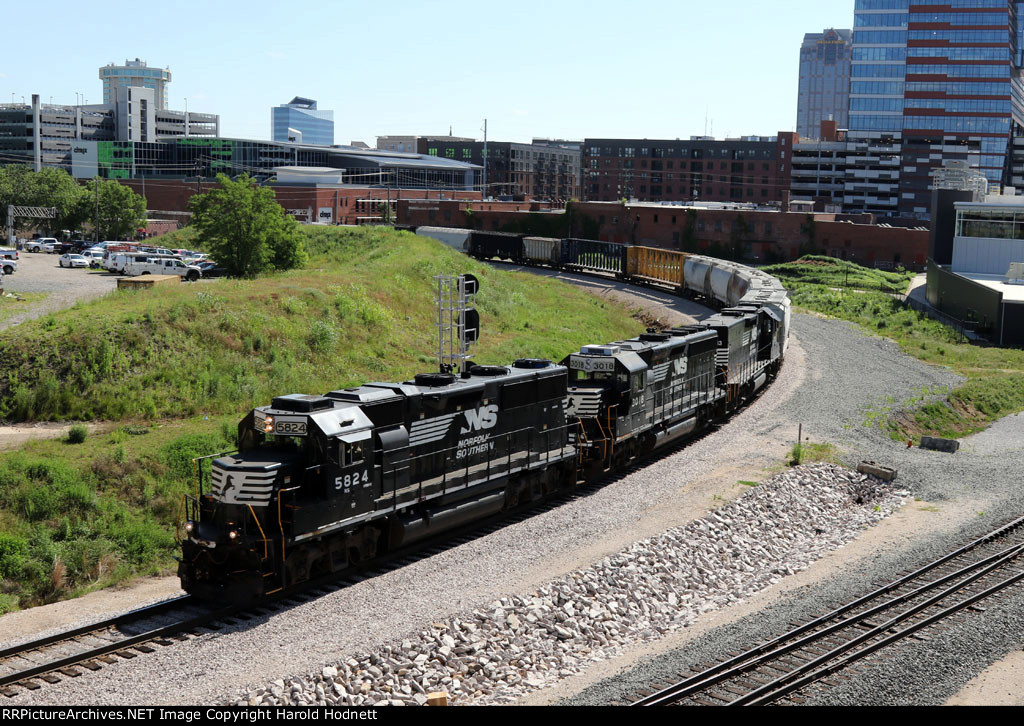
point(824, 81)
point(931, 83)
point(314, 126)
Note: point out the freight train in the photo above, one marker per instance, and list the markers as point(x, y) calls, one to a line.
point(322, 483)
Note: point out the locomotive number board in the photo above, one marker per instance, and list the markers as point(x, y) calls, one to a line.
point(592, 365)
point(283, 425)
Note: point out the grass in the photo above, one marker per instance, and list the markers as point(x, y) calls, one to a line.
point(833, 272)
point(995, 376)
point(810, 453)
point(177, 368)
point(11, 306)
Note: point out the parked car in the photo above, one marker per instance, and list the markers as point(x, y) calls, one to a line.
point(8, 266)
point(211, 269)
point(6, 253)
point(73, 260)
point(94, 256)
point(43, 244)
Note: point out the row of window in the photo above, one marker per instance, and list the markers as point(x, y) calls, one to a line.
point(694, 178)
point(892, 70)
point(953, 54)
point(950, 124)
point(668, 152)
point(880, 20)
point(961, 89)
point(905, 4)
point(959, 105)
point(993, 18)
point(697, 165)
point(962, 36)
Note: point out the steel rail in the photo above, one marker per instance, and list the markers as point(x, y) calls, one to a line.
point(735, 665)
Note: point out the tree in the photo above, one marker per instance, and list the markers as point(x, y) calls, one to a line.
point(115, 210)
point(245, 229)
point(21, 186)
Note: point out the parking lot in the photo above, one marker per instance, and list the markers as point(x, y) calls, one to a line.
point(42, 273)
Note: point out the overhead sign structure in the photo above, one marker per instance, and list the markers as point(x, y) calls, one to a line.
point(30, 212)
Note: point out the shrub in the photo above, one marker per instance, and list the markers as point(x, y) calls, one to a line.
point(77, 434)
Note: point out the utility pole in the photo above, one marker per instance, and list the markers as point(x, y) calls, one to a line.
point(484, 190)
point(96, 189)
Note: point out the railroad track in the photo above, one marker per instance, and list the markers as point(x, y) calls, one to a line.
point(88, 648)
point(813, 652)
point(73, 653)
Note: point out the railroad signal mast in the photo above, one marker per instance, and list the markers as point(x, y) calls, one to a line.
point(458, 323)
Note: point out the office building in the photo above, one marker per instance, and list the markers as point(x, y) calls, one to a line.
point(135, 74)
point(133, 118)
point(929, 84)
point(751, 169)
point(824, 93)
point(301, 122)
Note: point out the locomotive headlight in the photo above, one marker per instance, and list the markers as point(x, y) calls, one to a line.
point(232, 535)
point(189, 526)
point(268, 425)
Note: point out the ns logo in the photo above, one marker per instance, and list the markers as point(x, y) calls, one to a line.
point(485, 417)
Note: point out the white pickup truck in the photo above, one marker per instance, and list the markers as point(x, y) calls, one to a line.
point(137, 265)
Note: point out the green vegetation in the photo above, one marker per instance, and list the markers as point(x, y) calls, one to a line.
point(832, 272)
point(11, 306)
point(245, 230)
point(363, 310)
point(177, 368)
point(114, 209)
point(21, 186)
point(808, 453)
point(77, 434)
point(75, 519)
point(995, 376)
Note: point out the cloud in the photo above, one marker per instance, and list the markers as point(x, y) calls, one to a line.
point(276, 55)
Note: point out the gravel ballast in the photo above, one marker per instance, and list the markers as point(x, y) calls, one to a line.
point(521, 643)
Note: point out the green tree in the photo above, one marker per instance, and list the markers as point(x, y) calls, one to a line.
point(245, 229)
point(114, 209)
point(21, 186)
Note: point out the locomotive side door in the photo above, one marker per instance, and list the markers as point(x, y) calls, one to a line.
point(393, 469)
point(354, 484)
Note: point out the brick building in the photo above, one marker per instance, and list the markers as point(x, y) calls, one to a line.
point(751, 169)
point(307, 203)
point(758, 235)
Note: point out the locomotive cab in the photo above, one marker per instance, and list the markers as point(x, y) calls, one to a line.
point(303, 461)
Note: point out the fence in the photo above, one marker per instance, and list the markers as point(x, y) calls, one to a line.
point(966, 329)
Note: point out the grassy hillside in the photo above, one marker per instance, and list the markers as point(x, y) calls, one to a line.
point(995, 376)
point(173, 370)
point(362, 309)
point(833, 272)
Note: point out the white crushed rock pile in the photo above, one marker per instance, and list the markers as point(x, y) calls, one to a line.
point(521, 643)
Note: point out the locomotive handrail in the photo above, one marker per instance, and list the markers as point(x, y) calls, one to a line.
point(263, 536)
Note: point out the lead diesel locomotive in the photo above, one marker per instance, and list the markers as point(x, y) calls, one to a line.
point(323, 482)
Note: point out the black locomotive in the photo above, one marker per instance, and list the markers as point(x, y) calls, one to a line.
point(321, 483)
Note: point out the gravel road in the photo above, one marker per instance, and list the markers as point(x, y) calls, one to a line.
point(42, 273)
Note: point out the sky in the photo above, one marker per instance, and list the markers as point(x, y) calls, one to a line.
point(567, 69)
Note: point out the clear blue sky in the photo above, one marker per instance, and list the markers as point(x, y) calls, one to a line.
point(557, 68)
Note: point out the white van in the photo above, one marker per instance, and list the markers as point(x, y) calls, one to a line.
point(150, 265)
